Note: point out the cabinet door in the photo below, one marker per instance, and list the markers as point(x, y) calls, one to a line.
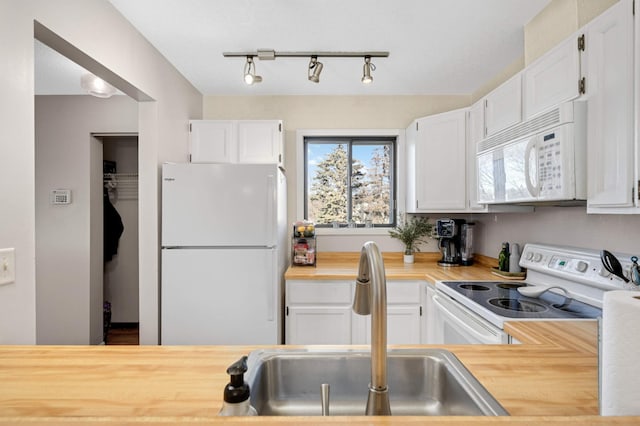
point(260, 141)
point(503, 106)
point(609, 50)
point(212, 141)
point(318, 325)
point(404, 326)
point(475, 124)
point(552, 79)
point(440, 162)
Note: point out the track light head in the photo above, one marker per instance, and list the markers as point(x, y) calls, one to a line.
point(317, 69)
point(366, 70)
point(250, 76)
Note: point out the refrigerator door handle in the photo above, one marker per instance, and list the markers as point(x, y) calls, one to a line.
point(271, 206)
point(271, 284)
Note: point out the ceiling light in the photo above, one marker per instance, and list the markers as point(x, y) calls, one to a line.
point(366, 70)
point(317, 69)
point(95, 86)
point(250, 76)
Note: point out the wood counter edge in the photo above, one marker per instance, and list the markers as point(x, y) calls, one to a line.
point(579, 336)
point(352, 420)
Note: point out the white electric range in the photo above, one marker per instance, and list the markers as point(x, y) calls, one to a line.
point(475, 311)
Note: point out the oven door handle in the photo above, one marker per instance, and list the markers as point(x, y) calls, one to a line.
point(481, 332)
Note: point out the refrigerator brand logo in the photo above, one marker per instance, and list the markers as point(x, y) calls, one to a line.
point(169, 179)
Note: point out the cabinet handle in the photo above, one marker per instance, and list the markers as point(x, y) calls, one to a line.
point(287, 309)
point(420, 310)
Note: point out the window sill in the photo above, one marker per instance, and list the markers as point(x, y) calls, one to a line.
point(352, 231)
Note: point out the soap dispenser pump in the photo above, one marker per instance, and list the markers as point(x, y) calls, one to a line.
point(237, 392)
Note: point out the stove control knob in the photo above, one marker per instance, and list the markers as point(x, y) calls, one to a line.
point(529, 256)
point(603, 272)
point(581, 266)
point(537, 257)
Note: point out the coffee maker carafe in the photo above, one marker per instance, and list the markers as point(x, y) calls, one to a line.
point(448, 233)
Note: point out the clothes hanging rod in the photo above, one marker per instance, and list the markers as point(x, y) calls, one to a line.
point(272, 54)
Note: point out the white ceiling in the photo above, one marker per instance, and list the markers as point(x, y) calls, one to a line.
point(436, 46)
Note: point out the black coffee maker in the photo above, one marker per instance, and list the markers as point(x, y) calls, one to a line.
point(448, 233)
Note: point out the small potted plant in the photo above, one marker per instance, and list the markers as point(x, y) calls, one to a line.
point(411, 232)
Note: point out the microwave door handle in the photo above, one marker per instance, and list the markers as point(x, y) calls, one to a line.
point(533, 189)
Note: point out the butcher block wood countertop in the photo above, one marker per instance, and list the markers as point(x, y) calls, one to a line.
point(552, 378)
point(344, 266)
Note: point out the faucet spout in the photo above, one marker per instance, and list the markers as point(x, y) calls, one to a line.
point(371, 297)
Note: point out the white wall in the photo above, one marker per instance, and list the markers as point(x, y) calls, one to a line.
point(570, 226)
point(69, 260)
point(105, 43)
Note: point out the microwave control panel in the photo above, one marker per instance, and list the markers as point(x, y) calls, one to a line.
point(550, 168)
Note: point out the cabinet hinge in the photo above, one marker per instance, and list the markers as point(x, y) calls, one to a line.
point(420, 310)
point(581, 43)
point(280, 127)
point(582, 86)
point(287, 311)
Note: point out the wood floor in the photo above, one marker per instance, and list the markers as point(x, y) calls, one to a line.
point(123, 334)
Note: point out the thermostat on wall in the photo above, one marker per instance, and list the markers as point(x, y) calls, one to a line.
point(61, 196)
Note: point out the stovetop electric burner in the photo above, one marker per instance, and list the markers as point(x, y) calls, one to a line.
point(518, 305)
point(502, 299)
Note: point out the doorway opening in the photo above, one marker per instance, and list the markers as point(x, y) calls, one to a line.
point(121, 316)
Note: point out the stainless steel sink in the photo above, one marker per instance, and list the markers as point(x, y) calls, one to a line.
point(429, 382)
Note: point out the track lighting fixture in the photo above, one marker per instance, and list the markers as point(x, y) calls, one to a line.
point(250, 76)
point(317, 69)
point(314, 69)
point(366, 70)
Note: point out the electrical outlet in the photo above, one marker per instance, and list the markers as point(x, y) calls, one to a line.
point(7, 266)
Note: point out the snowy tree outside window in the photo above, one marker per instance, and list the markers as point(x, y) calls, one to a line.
point(350, 180)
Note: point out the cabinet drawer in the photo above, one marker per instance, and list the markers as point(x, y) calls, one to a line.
point(319, 292)
point(402, 292)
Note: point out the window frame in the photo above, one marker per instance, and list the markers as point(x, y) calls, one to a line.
point(399, 173)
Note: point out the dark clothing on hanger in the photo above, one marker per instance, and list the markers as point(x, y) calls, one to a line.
point(113, 228)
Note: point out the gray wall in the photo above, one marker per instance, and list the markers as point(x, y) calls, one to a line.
point(111, 48)
point(69, 259)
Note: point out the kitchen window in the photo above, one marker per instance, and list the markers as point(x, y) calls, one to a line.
point(349, 181)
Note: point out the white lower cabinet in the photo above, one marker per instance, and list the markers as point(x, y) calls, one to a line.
point(318, 325)
point(319, 312)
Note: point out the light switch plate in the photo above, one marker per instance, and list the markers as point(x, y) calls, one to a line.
point(7, 266)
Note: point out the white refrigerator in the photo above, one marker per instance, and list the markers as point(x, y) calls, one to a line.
point(224, 235)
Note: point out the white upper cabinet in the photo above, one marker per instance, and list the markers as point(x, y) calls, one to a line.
point(475, 125)
point(236, 141)
point(212, 141)
point(554, 78)
point(260, 141)
point(610, 91)
point(436, 157)
point(503, 106)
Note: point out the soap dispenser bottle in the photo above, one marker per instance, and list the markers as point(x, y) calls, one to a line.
point(236, 393)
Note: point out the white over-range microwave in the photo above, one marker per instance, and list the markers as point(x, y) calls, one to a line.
point(540, 160)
